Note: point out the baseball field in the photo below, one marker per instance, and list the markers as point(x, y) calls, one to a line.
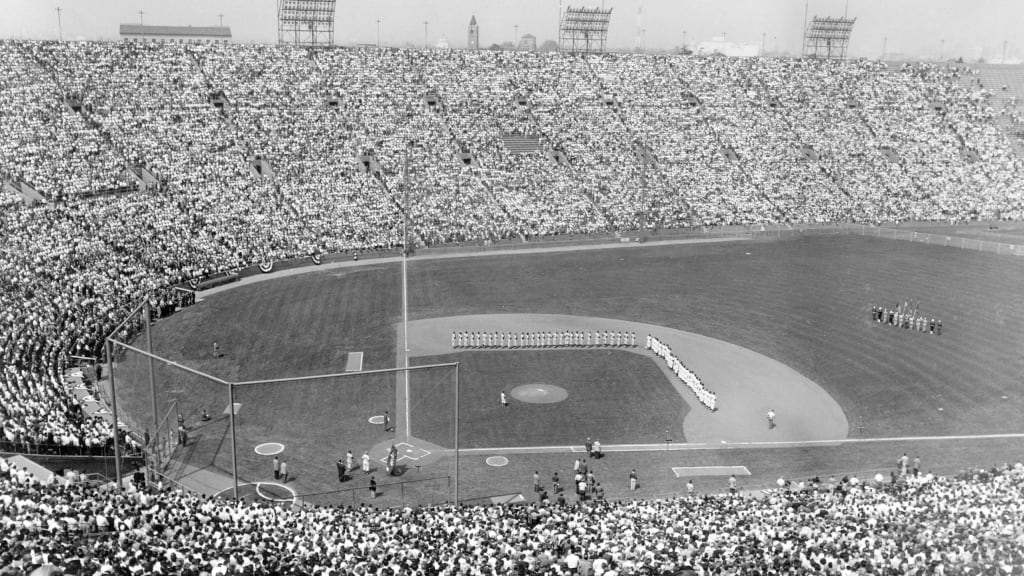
point(766, 324)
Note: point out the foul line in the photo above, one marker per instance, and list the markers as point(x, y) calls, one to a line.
point(427, 254)
point(680, 446)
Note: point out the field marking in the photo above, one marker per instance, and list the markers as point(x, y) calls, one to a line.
point(682, 446)
point(260, 493)
point(227, 409)
point(354, 362)
point(269, 448)
point(696, 471)
point(411, 452)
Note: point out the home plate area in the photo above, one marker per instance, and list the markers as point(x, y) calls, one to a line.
point(407, 451)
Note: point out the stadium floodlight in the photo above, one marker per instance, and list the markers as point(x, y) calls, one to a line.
point(584, 30)
point(305, 22)
point(828, 37)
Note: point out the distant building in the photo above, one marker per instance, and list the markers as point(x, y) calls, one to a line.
point(176, 34)
point(718, 45)
point(528, 43)
point(474, 34)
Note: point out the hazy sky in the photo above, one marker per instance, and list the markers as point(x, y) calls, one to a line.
point(969, 28)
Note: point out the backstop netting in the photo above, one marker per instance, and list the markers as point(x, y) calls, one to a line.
point(181, 409)
point(172, 409)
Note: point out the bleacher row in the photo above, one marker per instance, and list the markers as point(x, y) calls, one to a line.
point(969, 524)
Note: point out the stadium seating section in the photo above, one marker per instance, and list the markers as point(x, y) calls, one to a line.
point(969, 524)
point(262, 153)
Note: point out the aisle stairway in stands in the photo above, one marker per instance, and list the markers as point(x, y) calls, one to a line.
point(807, 150)
point(91, 124)
point(553, 146)
point(644, 155)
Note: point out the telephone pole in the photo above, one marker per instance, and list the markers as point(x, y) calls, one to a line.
point(60, 30)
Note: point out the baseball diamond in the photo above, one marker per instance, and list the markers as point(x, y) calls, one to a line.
point(724, 309)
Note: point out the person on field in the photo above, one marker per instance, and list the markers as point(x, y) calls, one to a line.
point(771, 419)
point(504, 399)
point(366, 463)
point(632, 480)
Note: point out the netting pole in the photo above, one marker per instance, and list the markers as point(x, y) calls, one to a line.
point(234, 460)
point(456, 434)
point(147, 318)
point(113, 407)
point(147, 315)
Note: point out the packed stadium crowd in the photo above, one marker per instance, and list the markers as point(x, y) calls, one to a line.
point(926, 524)
point(648, 142)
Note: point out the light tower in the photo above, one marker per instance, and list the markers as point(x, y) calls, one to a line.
point(307, 23)
point(474, 34)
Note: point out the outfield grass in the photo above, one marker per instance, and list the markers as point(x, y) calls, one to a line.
point(803, 302)
point(615, 397)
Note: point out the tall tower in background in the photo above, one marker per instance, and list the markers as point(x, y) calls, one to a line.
point(474, 34)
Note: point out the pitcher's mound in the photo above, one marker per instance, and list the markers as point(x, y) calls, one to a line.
point(539, 393)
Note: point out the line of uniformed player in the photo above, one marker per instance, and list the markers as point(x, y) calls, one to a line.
point(906, 320)
point(544, 339)
point(706, 397)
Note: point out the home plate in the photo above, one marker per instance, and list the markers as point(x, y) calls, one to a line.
point(227, 409)
point(688, 471)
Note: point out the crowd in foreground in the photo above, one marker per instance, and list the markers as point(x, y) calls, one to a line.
point(970, 524)
point(644, 140)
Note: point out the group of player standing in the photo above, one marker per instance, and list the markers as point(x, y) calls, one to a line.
point(906, 318)
point(544, 339)
point(706, 397)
